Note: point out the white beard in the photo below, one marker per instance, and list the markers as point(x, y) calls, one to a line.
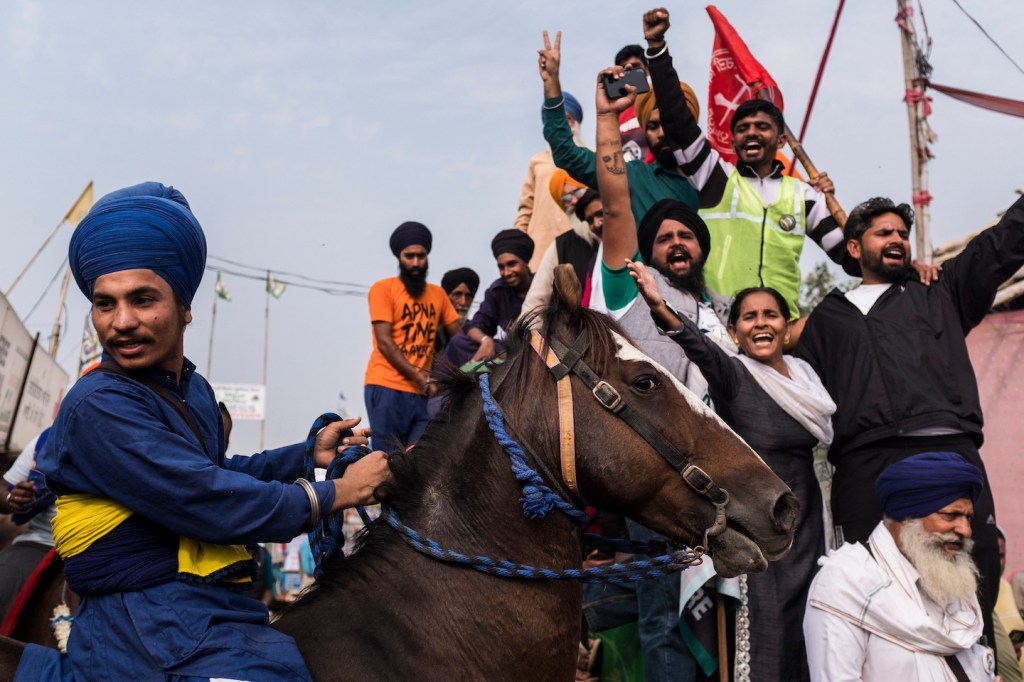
point(947, 580)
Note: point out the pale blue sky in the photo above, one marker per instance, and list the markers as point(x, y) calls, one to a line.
point(303, 132)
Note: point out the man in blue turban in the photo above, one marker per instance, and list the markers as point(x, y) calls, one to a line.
point(904, 606)
point(153, 518)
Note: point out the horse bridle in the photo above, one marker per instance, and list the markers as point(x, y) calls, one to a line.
point(562, 361)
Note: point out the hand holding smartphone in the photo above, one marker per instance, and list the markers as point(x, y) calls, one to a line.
point(616, 88)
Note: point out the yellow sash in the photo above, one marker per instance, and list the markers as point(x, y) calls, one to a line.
point(82, 519)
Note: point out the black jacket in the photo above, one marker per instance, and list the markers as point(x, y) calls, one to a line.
point(904, 366)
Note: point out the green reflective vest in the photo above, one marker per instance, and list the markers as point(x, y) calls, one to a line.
point(753, 245)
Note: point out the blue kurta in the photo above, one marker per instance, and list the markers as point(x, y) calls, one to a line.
point(116, 439)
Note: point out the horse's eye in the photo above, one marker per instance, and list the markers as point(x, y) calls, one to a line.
point(645, 383)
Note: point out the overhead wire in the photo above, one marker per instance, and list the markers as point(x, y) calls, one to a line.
point(46, 290)
point(287, 274)
point(991, 39)
point(298, 285)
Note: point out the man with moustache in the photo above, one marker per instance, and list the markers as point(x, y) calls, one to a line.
point(406, 313)
point(461, 285)
point(153, 521)
point(892, 354)
point(503, 300)
point(903, 606)
point(758, 217)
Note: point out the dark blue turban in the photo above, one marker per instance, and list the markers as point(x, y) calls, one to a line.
point(923, 484)
point(148, 226)
point(410, 233)
point(513, 241)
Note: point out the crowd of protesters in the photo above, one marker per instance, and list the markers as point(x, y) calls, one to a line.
point(697, 258)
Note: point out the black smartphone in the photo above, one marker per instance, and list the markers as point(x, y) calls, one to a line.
point(616, 88)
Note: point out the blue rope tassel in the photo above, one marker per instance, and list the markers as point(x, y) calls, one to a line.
point(328, 538)
point(538, 499)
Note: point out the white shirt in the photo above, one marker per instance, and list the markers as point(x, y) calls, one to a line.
point(865, 295)
point(867, 620)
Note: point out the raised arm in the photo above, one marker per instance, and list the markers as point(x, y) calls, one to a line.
point(619, 232)
point(575, 160)
point(714, 363)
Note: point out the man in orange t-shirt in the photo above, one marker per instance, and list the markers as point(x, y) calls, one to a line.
point(406, 313)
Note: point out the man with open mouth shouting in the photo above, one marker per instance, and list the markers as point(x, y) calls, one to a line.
point(893, 356)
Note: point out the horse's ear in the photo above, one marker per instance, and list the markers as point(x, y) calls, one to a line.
point(568, 293)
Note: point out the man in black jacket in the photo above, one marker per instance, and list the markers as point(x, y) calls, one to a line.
point(892, 353)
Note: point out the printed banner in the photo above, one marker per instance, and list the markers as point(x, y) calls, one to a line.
point(244, 401)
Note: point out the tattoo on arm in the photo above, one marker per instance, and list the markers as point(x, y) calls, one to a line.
point(613, 163)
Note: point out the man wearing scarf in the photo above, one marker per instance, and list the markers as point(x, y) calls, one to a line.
point(406, 314)
point(903, 606)
point(503, 300)
point(153, 521)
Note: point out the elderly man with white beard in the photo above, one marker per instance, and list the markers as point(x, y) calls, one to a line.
point(904, 606)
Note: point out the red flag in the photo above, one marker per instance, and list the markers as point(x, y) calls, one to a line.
point(735, 77)
point(1003, 105)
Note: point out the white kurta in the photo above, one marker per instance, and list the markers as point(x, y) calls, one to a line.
point(867, 620)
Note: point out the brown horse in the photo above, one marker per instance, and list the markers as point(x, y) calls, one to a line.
point(42, 594)
point(391, 612)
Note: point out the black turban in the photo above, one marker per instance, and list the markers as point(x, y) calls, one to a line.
point(454, 278)
point(408, 234)
point(513, 241)
point(670, 209)
point(921, 485)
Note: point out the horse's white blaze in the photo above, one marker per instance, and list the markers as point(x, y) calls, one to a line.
point(628, 351)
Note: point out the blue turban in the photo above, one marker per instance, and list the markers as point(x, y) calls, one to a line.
point(923, 484)
point(572, 107)
point(148, 226)
point(410, 233)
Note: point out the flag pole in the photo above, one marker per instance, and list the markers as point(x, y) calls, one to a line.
point(798, 151)
point(74, 216)
point(723, 643)
point(55, 334)
point(213, 326)
point(266, 346)
point(920, 134)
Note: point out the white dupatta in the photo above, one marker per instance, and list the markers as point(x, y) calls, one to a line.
point(801, 395)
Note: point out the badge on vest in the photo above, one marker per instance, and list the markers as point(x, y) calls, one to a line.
point(787, 222)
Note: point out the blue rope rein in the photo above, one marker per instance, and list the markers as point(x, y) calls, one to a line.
point(538, 499)
point(328, 537)
point(629, 572)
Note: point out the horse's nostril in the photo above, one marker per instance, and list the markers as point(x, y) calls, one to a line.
point(785, 512)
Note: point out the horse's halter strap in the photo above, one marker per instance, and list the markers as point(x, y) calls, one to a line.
point(571, 361)
point(566, 425)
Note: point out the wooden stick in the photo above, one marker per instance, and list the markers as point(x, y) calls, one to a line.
point(812, 172)
point(723, 645)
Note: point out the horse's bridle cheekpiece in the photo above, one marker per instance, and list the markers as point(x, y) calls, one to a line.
point(570, 361)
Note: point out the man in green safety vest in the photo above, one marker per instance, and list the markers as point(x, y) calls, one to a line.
point(758, 217)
